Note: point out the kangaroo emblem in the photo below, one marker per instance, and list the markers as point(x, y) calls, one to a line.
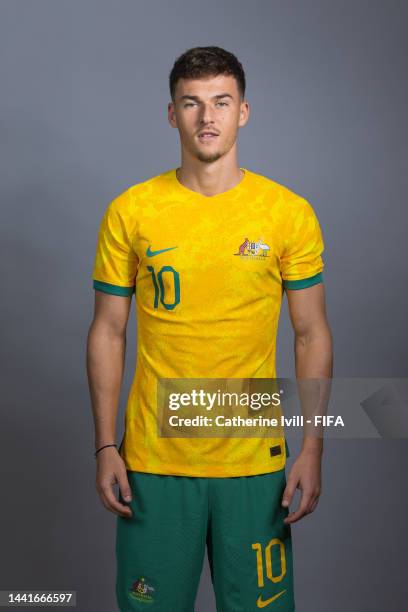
point(253, 249)
point(243, 247)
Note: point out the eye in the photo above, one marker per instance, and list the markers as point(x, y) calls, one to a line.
point(222, 103)
point(188, 104)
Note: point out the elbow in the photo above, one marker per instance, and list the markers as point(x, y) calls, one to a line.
point(102, 329)
point(314, 334)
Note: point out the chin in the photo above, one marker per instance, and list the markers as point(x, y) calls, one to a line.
point(209, 157)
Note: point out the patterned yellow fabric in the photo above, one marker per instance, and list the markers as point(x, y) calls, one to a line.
point(208, 275)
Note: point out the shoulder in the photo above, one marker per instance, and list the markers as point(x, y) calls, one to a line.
point(267, 184)
point(287, 202)
point(155, 185)
point(127, 201)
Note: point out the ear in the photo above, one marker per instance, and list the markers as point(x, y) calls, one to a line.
point(171, 114)
point(243, 114)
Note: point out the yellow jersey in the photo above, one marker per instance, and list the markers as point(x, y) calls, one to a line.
point(208, 273)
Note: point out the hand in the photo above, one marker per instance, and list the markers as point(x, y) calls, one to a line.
point(306, 476)
point(111, 470)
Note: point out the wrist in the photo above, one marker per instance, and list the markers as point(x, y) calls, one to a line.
point(104, 437)
point(312, 446)
point(103, 447)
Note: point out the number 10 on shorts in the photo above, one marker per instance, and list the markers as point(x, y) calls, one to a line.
point(267, 553)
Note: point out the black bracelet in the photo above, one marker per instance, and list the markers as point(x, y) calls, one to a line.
point(99, 449)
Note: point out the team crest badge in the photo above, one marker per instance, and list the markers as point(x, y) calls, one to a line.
point(142, 590)
point(257, 250)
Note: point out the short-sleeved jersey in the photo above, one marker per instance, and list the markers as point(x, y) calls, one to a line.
point(208, 273)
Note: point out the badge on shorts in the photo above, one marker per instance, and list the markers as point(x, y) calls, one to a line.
point(142, 590)
point(275, 450)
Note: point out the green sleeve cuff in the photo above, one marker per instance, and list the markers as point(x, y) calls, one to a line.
point(113, 289)
point(303, 282)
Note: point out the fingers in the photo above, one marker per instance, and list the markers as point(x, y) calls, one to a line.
point(314, 504)
point(308, 503)
point(289, 491)
point(110, 502)
point(104, 487)
point(124, 487)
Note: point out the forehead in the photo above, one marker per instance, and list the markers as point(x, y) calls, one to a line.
point(207, 87)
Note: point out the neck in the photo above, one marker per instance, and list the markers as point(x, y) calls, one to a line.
point(209, 179)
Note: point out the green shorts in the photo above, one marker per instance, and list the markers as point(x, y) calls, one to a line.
point(160, 549)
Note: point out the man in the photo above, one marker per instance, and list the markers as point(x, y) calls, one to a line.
point(208, 248)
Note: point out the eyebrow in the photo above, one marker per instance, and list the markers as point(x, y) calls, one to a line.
point(197, 99)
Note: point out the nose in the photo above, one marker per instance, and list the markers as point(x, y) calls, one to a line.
point(206, 116)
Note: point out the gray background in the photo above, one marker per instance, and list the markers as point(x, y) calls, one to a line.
point(83, 116)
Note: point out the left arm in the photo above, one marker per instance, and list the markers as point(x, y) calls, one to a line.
point(313, 359)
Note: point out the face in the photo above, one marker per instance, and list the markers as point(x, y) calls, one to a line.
point(208, 113)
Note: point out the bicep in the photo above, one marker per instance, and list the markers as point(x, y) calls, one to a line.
point(112, 311)
point(307, 309)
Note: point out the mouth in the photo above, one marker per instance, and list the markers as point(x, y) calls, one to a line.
point(207, 136)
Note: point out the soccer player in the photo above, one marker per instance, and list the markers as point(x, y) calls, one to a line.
point(208, 248)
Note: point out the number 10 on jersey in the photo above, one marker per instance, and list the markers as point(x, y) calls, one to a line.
point(159, 289)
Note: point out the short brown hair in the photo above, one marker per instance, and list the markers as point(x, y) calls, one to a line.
point(199, 62)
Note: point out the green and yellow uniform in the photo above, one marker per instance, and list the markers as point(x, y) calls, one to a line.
point(208, 275)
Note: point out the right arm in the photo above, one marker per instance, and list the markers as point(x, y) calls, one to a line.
point(106, 347)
